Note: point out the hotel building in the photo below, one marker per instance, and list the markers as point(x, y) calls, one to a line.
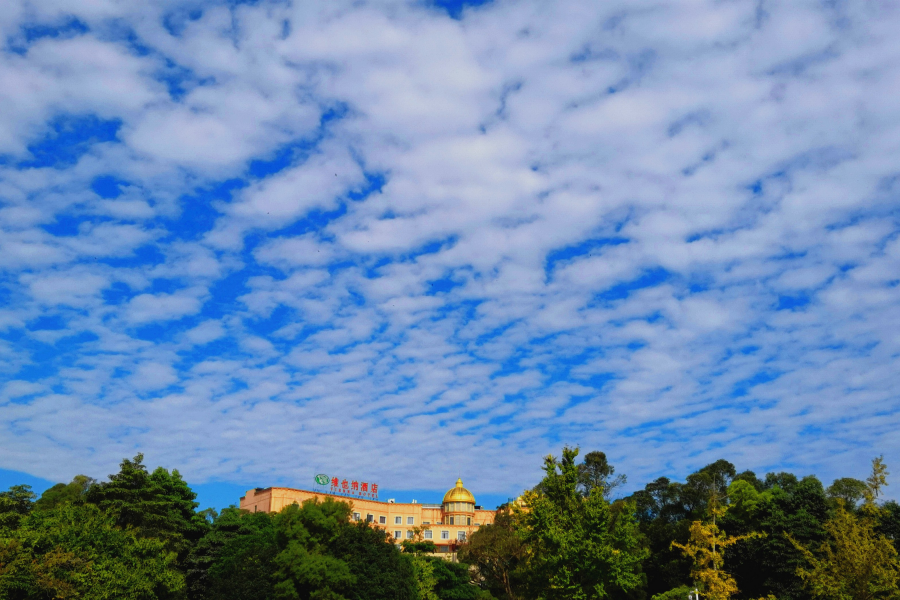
point(446, 524)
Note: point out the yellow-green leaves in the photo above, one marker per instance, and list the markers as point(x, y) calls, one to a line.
point(706, 548)
point(855, 563)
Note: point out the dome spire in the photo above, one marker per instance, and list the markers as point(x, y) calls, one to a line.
point(458, 493)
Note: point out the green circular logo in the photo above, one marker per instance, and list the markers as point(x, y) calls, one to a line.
point(322, 479)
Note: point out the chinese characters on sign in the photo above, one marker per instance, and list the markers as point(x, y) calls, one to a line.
point(360, 489)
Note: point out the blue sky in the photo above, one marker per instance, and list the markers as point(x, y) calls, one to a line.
point(409, 241)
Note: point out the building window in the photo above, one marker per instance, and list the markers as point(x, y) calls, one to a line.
point(398, 520)
point(409, 535)
point(451, 520)
point(426, 522)
point(427, 534)
point(468, 520)
point(410, 520)
point(356, 516)
point(382, 520)
point(445, 535)
point(461, 536)
point(397, 535)
point(370, 518)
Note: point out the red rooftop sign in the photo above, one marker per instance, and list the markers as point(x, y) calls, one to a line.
point(349, 487)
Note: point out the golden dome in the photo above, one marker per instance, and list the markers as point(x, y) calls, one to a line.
point(459, 494)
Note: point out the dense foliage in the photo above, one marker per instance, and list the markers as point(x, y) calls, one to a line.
point(720, 534)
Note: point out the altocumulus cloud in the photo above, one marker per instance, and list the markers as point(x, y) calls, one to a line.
point(407, 239)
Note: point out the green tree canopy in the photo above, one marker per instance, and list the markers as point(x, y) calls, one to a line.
point(158, 504)
point(235, 559)
point(15, 504)
point(848, 490)
point(577, 548)
point(78, 552)
point(769, 565)
point(380, 571)
point(596, 472)
point(65, 493)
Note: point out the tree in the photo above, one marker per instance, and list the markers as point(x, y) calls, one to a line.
point(380, 570)
point(663, 517)
point(304, 566)
point(158, 504)
point(877, 480)
point(848, 490)
point(453, 581)
point(497, 551)
point(423, 574)
point(235, 559)
point(665, 511)
point(65, 493)
point(889, 522)
point(15, 504)
point(855, 563)
point(768, 565)
point(706, 548)
point(77, 551)
point(782, 480)
point(596, 472)
point(577, 548)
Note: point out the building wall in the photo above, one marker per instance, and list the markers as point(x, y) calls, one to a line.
point(411, 515)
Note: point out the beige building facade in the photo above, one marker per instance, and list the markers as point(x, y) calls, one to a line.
point(447, 524)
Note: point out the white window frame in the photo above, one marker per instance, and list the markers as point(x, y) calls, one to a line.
point(382, 520)
point(398, 520)
point(409, 534)
point(445, 535)
point(410, 520)
point(427, 534)
point(356, 516)
point(398, 534)
point(460, 536)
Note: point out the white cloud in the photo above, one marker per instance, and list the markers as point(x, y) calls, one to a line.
point(160, 307)
point(589, 217)
point(205, 332)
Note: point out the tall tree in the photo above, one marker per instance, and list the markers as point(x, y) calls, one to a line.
point(889, 522)
point(596, 472)
point(235, 559)
point(380, 570)
point(769, 565)
point(577, 548)
point(158, 504)
point(304, 566)
point(15, 504)
point(665, 510)
point(877, 480)
point(706, 548)
point(848, 490)
point(497, 551)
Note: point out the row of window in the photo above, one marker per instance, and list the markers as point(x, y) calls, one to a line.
point(412, 520)
point(459, 507)
point(445, 535)
point(383, 520)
